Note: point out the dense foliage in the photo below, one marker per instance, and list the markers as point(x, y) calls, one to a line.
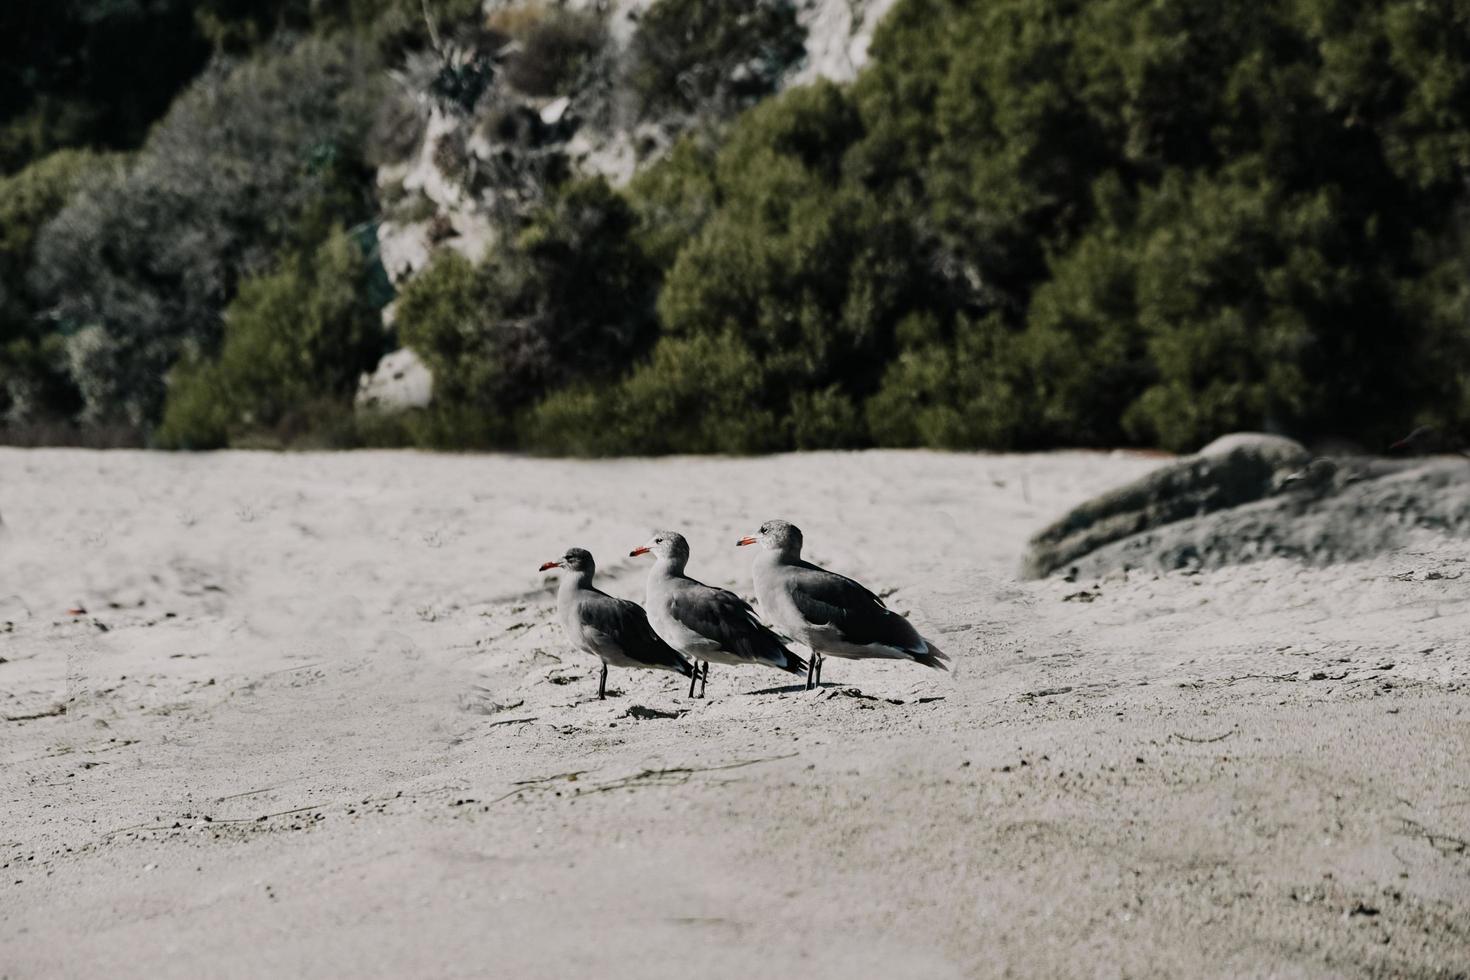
point(34, 379)
point(569, 299)
point(1038, 222)
point(254, 158)
point(1027, 223)
point(295, 342)
point(712, 56)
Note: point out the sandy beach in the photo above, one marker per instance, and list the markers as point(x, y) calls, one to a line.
point(310, 715)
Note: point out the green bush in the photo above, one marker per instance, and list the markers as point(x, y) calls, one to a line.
point(695, 395)
point(1027, 223)
point(199, 413)
point(295, 343)
point(1188, 219)
point(149, 256)
point(569, 299)
point(674, 197)
point(712, 56)
point(34, 378)
point(810, 271)
point(1085, 343)
point(973, 390)
point(826, 419)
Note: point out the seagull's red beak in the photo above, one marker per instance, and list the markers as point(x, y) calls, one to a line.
point(642, 550)
point(550, 564)
point(744, 541)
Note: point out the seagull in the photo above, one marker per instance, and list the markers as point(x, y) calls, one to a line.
point(613, 630)
point(703, 622)
point(831, 614)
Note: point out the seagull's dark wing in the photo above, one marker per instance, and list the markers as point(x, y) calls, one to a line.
point(828, 599)
point(727, 619)
point(627, 624)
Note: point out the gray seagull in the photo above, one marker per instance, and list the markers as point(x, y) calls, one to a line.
point(613, 630)
point(705, 623)
point(831, 614)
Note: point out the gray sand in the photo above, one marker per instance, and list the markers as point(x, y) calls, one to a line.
point(359, 746)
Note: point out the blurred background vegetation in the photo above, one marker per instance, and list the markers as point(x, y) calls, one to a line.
point(1025, 224)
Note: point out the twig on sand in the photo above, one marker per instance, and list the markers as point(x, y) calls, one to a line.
point(1443, 843)
point(676, 776)
point(1197, 685)
point(511, 721)
point(570, 777)
point(1044, 693)
point(136, 826)
point(539, 783)
point(51, 712)
point(213, 821)
point(287, 670)
point(249, 792)
point(1202, 741)
point(267, 816)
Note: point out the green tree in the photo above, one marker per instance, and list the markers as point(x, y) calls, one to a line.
point(810, 270)
point(296, 341)
point(569, 299)
point(694, 395)
point(258, 157)
point(34, 382)
point(712, 56)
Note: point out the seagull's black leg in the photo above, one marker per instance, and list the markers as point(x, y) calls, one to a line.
point(602, 685)
point(703, 678)
point(693, 677)
point(811, 666)
point(818, 659)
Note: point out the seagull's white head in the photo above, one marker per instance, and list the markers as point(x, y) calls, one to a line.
point(578, 561)
point(665, 546)
point(781, 537)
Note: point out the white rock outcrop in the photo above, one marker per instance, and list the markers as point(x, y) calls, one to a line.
point(839, 33)
point(401, 381)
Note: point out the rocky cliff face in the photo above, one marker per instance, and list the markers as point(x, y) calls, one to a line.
point(461, 147)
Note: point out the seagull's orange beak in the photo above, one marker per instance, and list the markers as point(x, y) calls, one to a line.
point(550, 564)
point(641, 550)
point(744, 541)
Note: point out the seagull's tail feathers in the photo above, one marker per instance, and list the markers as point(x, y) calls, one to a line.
point(791, 663)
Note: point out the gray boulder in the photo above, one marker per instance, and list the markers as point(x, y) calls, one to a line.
point(1346, 521)
point(1233, 470)
point(1247, 497)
